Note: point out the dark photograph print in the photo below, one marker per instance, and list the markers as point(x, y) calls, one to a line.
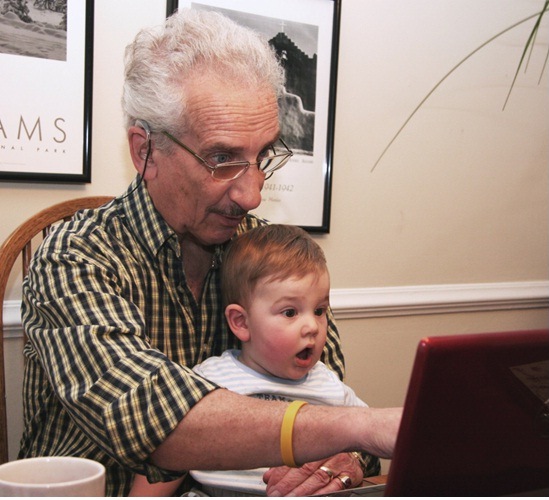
point(304, 35)
point(296, 45)
point(34, 28)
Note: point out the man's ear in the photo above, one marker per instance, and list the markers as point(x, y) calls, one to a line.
point(238, 321)
point(140, 143)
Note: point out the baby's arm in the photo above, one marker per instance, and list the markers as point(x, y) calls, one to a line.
point(142, 488)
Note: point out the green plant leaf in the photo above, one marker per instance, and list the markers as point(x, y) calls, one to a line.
point(530, 42)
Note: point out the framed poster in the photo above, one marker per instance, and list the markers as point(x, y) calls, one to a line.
point(46, 57)
point(305, 35)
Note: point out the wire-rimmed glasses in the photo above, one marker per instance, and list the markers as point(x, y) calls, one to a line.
point(275, 159)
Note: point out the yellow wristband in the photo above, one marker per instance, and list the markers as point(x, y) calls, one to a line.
point(286, 433)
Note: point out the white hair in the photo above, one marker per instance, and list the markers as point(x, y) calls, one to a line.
point(161, 59)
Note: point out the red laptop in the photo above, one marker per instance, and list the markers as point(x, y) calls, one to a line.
point(476, 419)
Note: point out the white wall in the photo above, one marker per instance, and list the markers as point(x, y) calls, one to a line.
point(460, 198)
point(462, 194)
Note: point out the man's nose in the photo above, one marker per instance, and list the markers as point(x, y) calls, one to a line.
point(246, 190)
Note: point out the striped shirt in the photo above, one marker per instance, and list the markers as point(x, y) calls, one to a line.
point(320, 386)
point(113, 333)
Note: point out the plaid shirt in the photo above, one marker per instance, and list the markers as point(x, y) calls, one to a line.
point(113, 333)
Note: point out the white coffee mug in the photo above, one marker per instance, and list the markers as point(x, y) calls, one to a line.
point(52, 477)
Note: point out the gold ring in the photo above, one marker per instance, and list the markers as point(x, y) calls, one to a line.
point(330, 472)
point(346, 481)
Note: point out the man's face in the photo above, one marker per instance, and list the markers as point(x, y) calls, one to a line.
point(223, 117)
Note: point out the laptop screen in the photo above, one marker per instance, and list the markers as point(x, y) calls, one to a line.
point(476, 417)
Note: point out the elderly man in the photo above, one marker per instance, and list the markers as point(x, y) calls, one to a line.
point(122, 301)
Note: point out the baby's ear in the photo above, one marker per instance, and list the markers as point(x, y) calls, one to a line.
point(238, 321)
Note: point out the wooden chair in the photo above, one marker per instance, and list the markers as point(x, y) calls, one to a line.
point(20, 243)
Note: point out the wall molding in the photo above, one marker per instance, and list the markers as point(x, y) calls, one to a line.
point(357, 303)
point(438, 299)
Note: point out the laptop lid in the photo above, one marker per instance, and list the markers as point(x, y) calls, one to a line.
point(476, 417)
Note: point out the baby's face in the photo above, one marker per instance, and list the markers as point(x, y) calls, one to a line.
point(288, 325)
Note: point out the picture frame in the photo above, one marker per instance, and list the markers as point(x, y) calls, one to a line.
point(46, 103)
point(305, 35)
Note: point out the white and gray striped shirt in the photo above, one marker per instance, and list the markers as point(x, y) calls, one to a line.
point(320, 386)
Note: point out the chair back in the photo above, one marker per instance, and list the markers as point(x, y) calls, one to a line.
point(19, 243)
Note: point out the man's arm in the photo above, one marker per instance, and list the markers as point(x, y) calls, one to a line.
point(228, 431)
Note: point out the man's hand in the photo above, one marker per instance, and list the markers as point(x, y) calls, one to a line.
point(315, 478)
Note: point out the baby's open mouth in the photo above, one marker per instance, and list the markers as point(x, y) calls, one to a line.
point(305, 353)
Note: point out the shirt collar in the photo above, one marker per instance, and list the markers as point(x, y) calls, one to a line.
point(144, 220)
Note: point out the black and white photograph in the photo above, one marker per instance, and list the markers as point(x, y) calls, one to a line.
point(34, 28)
point(304, 35)
point(46, 56)
point(296, 45)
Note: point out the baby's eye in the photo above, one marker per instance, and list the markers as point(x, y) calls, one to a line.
point(320, 311)
point(289, 313)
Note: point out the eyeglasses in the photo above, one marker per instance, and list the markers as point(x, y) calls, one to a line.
point(223, 168)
